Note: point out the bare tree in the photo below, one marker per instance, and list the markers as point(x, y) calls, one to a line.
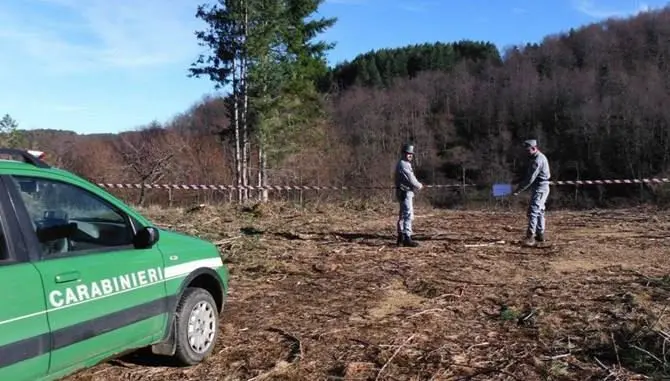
point(144, 155)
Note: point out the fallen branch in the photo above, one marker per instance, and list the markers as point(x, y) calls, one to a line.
point(483, 370)
point(319, 336)
point(477, 345)
point(557, 357)
point(602, 365)
point(501, 242)
point(296, 344)
point(278, 279)
point(393, 356)
point(226, 241)
point(278, 366)
point(660, 316)
point(425, 312)
point(455, 280)
point(648, 353)
point(460, 294)
point(616, 351)
point(213, 220)
point(195, 208)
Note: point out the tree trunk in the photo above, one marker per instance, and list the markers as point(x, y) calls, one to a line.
point(245, 106)
point(259, 173)
point(262, 162)
point(245, 142)
point(140, 202)
point(236, 123)
point(262, 174)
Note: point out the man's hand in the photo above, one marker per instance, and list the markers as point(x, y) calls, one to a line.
point(420, 186)
point(515, 194)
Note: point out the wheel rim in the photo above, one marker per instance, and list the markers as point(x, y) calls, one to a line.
point(201, 327)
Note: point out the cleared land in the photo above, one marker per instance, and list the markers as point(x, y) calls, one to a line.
point(323, 293)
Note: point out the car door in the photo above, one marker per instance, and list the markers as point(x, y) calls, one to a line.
point(103, 296)
point(24, 330)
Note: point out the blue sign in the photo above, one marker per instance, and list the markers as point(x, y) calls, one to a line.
point(500, 190)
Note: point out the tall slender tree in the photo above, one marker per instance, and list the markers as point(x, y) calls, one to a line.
point(264, 49)
point(225, 38)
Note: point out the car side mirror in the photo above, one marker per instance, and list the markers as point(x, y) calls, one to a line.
point(146, 238)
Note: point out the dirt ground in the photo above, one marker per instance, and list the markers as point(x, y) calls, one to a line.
point(322, 293)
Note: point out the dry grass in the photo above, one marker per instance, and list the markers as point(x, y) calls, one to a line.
point(323, 293)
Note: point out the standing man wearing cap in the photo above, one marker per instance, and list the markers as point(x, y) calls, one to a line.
point(537, 179)
point(406, 184)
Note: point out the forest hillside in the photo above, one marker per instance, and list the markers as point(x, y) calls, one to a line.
point(595, 98)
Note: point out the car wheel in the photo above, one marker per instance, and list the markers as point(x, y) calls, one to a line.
point(197, 326)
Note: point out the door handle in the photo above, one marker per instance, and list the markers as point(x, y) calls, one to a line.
point(70, 276)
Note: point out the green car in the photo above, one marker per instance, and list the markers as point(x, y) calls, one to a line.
point(86, 278)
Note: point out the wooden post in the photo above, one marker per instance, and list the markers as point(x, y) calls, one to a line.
point(463, 183)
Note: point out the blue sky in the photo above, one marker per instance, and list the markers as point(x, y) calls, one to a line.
point(94, 66)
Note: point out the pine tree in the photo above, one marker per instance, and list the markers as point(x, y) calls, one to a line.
point(10, 135)
point(264, 48)
point(225, 66)
point(290, 65)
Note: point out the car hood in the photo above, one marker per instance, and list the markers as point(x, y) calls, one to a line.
point(172, 242)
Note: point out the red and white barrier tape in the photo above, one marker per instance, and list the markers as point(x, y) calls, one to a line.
point(316, 187)
point(607, 182)
point(252, 187)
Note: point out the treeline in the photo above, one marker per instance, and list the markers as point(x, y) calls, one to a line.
point(382, 67)
point(594, 97)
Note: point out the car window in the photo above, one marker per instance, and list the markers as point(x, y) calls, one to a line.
point(4, 252)
point(70, 219)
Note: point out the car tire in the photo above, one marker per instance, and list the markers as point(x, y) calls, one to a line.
point(196, 312)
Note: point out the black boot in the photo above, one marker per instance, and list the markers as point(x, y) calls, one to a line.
point(399, 240)
point(530, 240)
point(407, 241)
point(539, 237)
